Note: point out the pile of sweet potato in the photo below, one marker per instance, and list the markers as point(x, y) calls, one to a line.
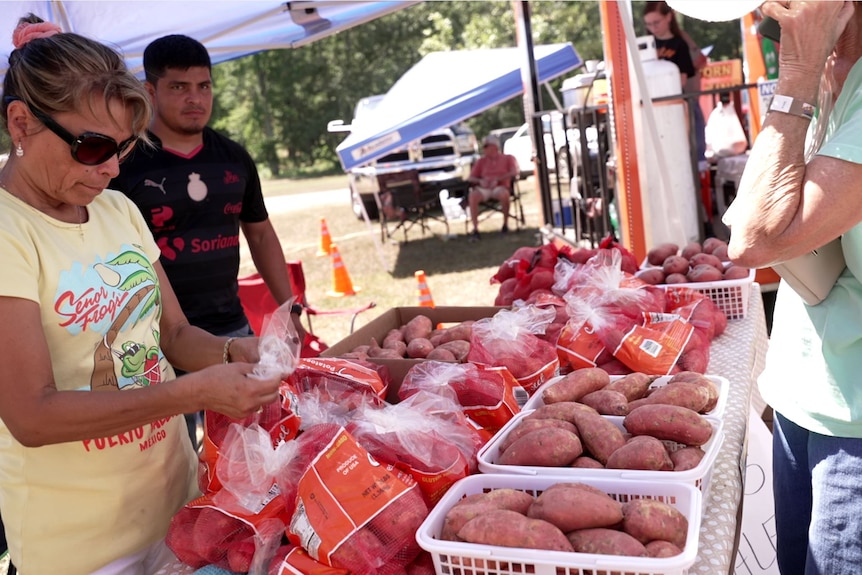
point(567, 432)
point(572, 517)
point(695, 263)
point(419, 339)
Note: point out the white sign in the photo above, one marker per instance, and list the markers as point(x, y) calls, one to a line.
point(756, 553)
point(765, 90)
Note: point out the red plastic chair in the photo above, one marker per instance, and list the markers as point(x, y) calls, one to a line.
point(258, 303)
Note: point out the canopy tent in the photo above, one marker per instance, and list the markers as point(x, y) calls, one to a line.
point(228, 29)
point(445, 88)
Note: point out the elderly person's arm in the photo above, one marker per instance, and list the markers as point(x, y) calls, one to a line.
point(785, 208)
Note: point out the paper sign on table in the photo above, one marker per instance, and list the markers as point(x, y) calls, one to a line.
point(756, 553)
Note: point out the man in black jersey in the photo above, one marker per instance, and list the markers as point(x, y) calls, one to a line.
point(197, 189)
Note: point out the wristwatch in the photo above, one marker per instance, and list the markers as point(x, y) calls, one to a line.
point(296, 309)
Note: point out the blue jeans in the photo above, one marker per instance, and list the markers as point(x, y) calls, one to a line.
point(817, 483)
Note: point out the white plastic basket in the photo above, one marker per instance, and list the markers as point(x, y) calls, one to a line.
point(731, 296)
point(459, 558)
point(698, 477)
point(718, 411)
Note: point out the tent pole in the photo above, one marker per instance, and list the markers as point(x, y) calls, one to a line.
point(532, 101)
point(623, 110)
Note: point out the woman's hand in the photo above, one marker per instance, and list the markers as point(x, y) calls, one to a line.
point(809, 31)
point(232, 390)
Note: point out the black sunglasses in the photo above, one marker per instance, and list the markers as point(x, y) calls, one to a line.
point(90, 148)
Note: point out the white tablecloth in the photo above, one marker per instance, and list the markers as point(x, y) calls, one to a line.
point(739, 355)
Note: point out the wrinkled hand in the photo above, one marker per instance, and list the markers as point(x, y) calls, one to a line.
point(245, 350)
point(809, 31)
point(231, 390)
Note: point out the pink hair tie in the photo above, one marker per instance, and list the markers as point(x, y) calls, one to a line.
point(27, 31)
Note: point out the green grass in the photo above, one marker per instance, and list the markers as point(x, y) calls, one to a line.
point(458, 272)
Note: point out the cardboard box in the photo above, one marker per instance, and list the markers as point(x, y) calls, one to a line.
point(396, 317)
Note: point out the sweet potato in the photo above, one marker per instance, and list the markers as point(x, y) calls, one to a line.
point(667, 422)
point(703, 273)
point(736, 273)
point(652, 276)
point(525, 426)
point(576, 384)
point(686, 458)
point(690, 249)
point(458, 347)
point(419, 348)
point(570, 507)
point(633, 385)
point(707, 259)
point(586, 462)
point(641, 452)
point(657, 255)
point(396, 345)
point(441, 354)
point(703, 381)
point(607, 402)
point(675, 279)
point(475, 505)
point(419, 326)
point(709, 244)
point(544, 447)
point(461, 331)
point(675, 265)
point(511, 529)
point(650, 519)
point(564, 410)
point(690, 395)
point(604, 541)
point(599, 436)
point(659, 548)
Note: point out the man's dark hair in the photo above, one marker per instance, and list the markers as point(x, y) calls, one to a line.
point(174, 51)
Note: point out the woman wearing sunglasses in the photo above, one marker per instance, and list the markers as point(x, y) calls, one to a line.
point(94, 457)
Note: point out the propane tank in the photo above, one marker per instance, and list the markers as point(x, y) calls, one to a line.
point(670, 201)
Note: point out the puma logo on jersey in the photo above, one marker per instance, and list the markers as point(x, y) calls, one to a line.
point(151, 184)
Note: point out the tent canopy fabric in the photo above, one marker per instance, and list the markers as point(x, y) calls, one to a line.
point(229, 29)
point(445, 88)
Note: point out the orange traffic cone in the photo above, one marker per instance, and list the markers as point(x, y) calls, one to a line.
point(341, 284)
point(425, 299)
point(325, 248)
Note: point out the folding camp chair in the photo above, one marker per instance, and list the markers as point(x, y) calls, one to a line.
point(491, 206)
point(258, 302)
point(402, 204)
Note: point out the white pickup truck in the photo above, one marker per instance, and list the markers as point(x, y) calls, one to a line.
point(443, 158)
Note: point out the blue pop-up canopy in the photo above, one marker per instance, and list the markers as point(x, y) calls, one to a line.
point(445, 88)
point(229, 29)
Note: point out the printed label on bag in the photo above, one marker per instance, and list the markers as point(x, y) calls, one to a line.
point(342, 489)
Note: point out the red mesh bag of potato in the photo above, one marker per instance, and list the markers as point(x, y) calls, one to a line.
point(354, 513)
point(340, 374)
point(292, 560)
point(425, 435)
point(311, 441)
point(203, 533)
point(510, 339)
point(279, 419)
point(656, 347)
point(697, 309)
point(487, 394)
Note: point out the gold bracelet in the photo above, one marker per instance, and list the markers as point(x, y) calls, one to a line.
point(225, 356)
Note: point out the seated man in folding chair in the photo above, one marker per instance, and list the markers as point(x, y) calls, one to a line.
point(492, 176)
